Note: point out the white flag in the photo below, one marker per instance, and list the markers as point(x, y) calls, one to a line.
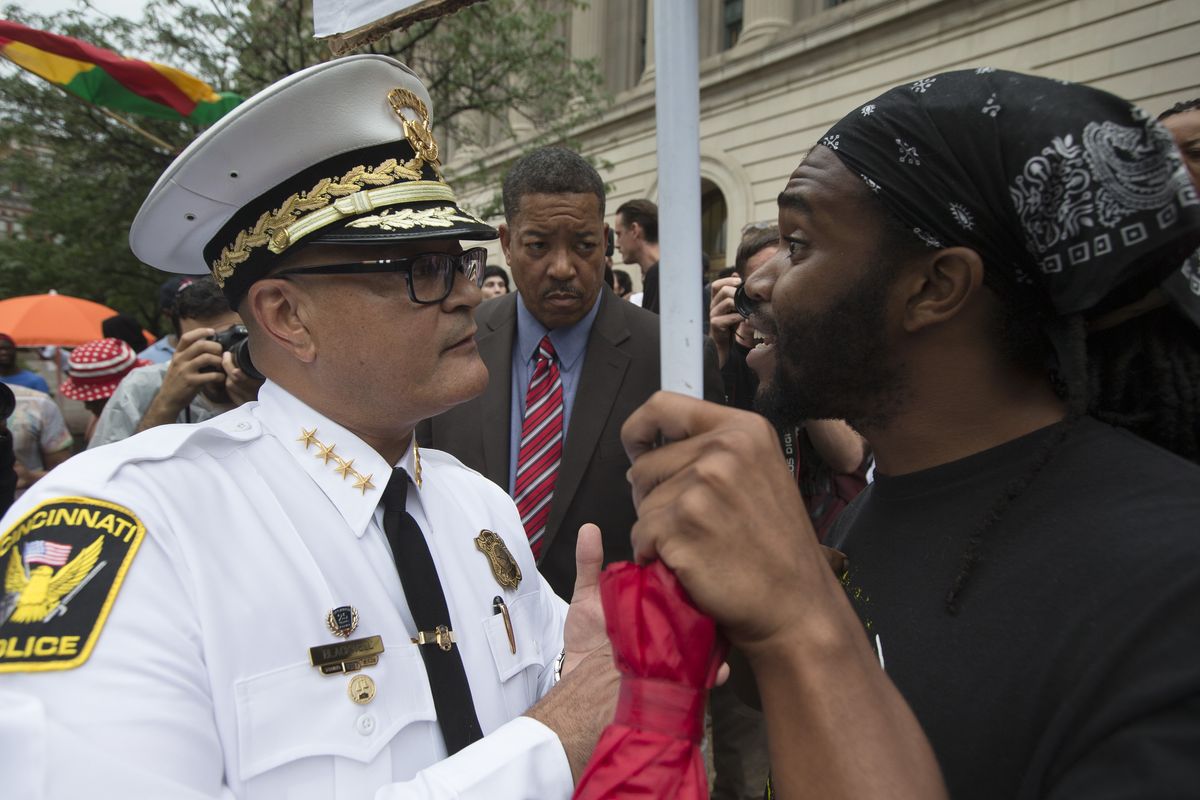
point(348, 24)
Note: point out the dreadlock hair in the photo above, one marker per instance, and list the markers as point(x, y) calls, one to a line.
point(1144, 375)
point(1023, 326)
point(1179, 108)
point(1068, 380)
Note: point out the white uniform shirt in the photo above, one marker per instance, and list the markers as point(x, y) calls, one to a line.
point(200, 684)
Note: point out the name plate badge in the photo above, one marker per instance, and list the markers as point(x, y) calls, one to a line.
point(334, 659)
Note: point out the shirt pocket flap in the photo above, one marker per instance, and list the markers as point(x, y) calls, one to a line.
point(525, 628)
point(296, 712)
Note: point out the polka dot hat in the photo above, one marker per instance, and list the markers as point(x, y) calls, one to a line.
point(94, 369)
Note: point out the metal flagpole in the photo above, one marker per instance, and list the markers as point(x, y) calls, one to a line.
point(680, 273)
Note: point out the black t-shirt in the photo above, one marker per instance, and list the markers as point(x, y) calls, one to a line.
point(1072, 669)
point(650, 289)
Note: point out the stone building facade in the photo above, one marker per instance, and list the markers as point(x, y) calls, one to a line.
point(776, 73)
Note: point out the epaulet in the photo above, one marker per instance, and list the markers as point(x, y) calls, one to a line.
point(440, 459)
point(430, 455)
point(446, 464)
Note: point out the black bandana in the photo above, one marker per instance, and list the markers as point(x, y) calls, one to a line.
point(1182, 288)
point(1065, 190)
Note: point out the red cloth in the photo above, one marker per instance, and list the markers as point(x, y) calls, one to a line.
point(668, 654)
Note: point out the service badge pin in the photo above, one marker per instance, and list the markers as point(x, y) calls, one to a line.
point(342, 621)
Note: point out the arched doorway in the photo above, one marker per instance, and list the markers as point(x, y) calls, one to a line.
point(714, 221)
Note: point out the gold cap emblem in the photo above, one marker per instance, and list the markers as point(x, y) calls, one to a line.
point(419, 131)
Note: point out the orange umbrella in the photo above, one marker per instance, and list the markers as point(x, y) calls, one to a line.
point(38, 320)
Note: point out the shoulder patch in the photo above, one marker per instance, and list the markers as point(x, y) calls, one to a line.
point(63, 563)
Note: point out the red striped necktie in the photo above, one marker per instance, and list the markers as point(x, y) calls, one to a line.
point(541, 445)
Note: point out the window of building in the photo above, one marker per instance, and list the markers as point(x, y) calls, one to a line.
point(639, 56)
point(732, 14)
point(714, 219)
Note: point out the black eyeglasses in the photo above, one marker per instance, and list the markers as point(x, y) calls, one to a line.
point(430, 275)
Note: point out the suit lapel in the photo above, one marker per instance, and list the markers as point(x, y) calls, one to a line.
point(495, 344)
point(604, 368)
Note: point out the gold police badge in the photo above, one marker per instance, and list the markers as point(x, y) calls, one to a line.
point(504, 566)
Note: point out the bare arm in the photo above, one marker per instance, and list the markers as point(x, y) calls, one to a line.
point(55, 444)
point(837, 726)
point(184, 378)
point(839, 445)
point(579, 707)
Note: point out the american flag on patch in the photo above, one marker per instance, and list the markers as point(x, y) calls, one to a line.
point(44, 552)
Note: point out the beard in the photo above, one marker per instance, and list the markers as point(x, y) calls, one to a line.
point(837, 364)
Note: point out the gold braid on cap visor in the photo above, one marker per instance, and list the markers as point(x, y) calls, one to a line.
point(331, 200)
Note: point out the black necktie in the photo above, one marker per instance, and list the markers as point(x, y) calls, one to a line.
point(423, 591)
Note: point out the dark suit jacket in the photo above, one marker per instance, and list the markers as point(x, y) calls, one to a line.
point(620, 371)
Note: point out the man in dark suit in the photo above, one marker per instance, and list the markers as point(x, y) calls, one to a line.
point(605, 356)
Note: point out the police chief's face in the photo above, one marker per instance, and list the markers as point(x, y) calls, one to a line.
point(382, 354)
point(555, 249)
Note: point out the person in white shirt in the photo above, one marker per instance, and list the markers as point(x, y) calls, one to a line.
point(242, 607)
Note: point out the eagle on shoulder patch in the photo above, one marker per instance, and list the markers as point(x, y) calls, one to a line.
point(40, 590)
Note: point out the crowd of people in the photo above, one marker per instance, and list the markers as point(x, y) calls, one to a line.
point(339, 533)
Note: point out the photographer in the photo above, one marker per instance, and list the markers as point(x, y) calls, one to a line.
point(201, 380)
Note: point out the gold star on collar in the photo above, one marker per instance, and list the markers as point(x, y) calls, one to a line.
point(307, 437)
point(325, 452)
point(345, 467)
point(417, 463)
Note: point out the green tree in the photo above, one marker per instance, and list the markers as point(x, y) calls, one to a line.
point(85, 174)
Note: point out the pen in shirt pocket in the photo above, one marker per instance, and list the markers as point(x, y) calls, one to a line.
point(500, 607)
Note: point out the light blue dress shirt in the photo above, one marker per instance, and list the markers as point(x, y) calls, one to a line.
point(569, 345)
point(160, 351)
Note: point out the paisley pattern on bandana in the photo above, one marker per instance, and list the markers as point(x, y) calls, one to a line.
point(1067, 191)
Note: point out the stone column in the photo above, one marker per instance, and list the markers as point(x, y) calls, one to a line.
point(522, 126)
point(587, 32)
point(648, 72)
point(762, 19)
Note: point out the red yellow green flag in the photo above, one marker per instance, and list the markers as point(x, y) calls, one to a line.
point(111, 80)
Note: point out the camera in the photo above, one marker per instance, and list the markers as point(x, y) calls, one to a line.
point(235, 341)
